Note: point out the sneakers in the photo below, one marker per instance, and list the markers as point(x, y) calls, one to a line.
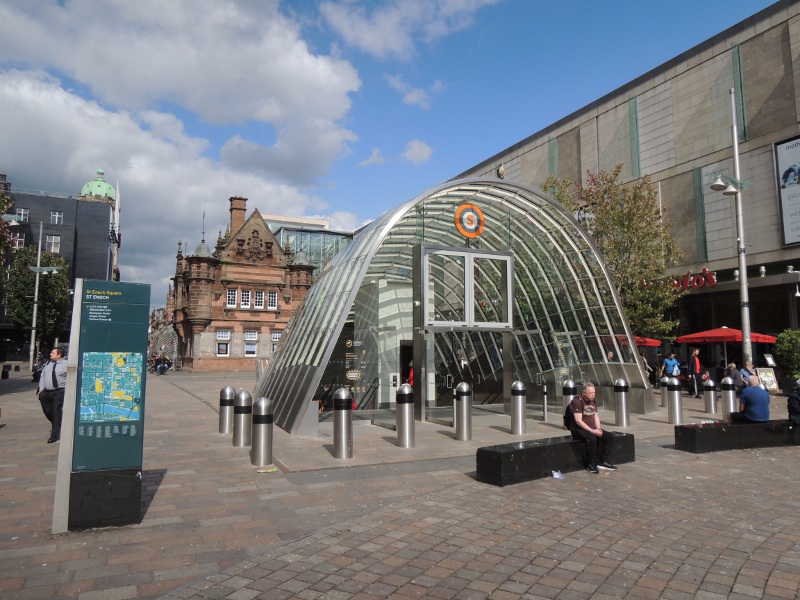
point(592, 469)
point(53, 438)
point(606, 466)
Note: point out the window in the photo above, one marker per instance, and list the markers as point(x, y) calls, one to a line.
point(272, 300)
point(56, 217)
point(53, 244)
point(245, 298)
point(231, 298)
point(223, 342)
point(17, 240)
point(258, 301)
point(276, 337)
point(250, 342)
point(22, 215)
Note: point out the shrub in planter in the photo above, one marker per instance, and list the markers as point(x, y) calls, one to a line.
point(787, 351)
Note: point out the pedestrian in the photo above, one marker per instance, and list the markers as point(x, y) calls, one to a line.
point(793, 403)
point(50, 390)
point(583, 421)
point(696, 373)
point(648, 369)
point(671, 366)
point(754, 403)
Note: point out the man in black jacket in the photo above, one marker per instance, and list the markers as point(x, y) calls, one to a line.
point(793, 404)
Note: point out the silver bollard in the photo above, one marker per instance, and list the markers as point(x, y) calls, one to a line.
point(404, 416)
point(342, 424)
point(710, 396)
point(463, 412)
point(664, 384)
point(518, 408)
point(544, 401)
point(623, 417)
point(728, 398)
point(226, 396)
point(261, 450)
point(674, 402)
point(568, 391)
point(242, 419)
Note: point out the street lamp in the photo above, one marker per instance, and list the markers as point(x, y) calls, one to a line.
point(39, 270)
point(734, 189)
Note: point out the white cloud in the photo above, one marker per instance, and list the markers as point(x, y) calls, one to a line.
point(417, 152)
point(392, 29)
point(374, 159)
point(414, 96)
point(225, 61)
point(54, 140)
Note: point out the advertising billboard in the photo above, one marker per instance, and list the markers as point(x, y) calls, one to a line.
point(787, 170)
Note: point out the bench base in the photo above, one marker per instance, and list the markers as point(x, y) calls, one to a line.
point(699, 438)
point(516, 462)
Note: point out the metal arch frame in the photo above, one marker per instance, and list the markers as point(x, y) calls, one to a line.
point(300, 371)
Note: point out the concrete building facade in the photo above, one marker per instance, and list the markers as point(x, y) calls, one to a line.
point(674, 124)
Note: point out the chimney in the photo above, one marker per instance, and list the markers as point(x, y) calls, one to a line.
point(238, 209)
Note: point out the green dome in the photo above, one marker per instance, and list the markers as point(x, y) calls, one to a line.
point(99, 187)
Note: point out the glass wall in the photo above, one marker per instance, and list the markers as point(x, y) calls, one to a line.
point(356, 326)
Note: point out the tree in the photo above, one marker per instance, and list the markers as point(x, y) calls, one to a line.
point(5, 232)
point(53, 305)
point(633, 236)
point(787, 350)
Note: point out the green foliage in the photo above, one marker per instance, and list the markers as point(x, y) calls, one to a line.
point(787, 351)
point(633, 236)
point(54, 300)
point(5, 232)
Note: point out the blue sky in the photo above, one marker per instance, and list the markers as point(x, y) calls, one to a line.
point(340, 108)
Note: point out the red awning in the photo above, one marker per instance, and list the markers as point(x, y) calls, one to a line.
point(723, 334)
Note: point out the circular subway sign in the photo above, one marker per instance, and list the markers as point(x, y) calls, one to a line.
point(469, 220)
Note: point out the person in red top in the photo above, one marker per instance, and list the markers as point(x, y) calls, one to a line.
point(695, 372)
point(585, 426)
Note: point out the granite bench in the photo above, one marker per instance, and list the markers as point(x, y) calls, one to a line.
point(700, 438)
point(516, 462)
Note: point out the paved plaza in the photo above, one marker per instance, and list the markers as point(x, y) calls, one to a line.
point(397, 523)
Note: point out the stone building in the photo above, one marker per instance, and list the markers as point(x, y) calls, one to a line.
point(232, 304)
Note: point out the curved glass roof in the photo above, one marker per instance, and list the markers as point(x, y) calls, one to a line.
point(561, 286)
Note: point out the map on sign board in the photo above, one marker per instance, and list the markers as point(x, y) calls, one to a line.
point(111, 389)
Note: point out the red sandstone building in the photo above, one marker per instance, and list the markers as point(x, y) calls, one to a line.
point(232, 305)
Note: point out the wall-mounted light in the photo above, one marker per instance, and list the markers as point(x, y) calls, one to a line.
point(501, 171)
point(718, 184)
point(796, 291)
point(736, 274)
point(762, 271)
point(790, 269)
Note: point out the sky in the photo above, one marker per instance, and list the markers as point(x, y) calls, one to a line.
point(335, 108)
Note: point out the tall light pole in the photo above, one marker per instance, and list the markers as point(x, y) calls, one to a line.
point(39, 270)
point(732, 189)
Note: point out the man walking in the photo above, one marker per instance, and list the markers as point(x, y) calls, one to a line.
point(585, 426)
point(51, 387)
point(695, 372)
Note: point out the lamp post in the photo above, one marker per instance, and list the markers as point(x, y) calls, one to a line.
point(39, 270)
point(735, 190)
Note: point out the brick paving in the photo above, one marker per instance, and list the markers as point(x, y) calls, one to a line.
point(397, 523)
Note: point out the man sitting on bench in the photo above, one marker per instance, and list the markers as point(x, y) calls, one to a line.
point(754, 403)
point(585, 427)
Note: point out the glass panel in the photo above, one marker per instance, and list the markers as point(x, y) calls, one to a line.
point(446, 288)
point(490, 289)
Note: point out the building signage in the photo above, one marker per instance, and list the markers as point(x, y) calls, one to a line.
point(112, 349)
point(704, 278)
point(787, 171)
point(469, 220)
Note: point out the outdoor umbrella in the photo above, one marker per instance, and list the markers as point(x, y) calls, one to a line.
point(724, 335)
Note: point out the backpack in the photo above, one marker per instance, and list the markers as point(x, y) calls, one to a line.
point(569, 419)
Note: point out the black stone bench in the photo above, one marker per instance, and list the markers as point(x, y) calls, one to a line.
point(700, 438)
point(516, 462)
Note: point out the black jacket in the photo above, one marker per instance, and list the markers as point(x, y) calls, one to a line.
point(793, 404)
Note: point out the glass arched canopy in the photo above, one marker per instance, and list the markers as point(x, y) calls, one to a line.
point(561, 318)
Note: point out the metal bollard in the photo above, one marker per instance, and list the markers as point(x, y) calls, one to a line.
point(623, 417)
point(728, 398)
point(342, 424)
point(710, 396)
point(261, 450)
point(568, 391)
point(544, 401)
point(226, 396)
point(664, 384)
point(517, 408)
point(404, 416)
point(242, 419)
point(463, 412)
point(674, 402)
